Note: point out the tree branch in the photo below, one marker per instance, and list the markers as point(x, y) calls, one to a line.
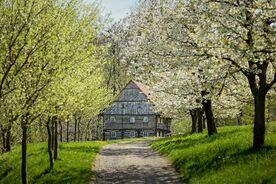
point(233, 62)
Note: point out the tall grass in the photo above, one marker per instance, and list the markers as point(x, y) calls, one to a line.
point(223, 158)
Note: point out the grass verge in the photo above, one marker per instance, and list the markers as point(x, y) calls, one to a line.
point(74, 165)
point(223, 158)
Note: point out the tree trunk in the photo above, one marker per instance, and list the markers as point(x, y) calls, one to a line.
point(199, 120)
point(24, 175)
point(269, 115)
point(87, 131)
point(8, 139)
point(259, 121)
point(67, 131)
point(50, 145)
point(56, 138)
point(60, 131)
point(194, 120)
point(75, 133)
point(240, 118)
point(41, 131)
point(97, 132)
point(3, 135)
point(79, 130)
point(207, 105)
point(53, 132)
point(203, 120)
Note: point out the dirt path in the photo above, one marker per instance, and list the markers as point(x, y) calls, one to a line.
point(132, 162)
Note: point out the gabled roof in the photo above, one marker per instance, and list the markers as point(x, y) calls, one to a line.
point(142, 96)
point(145, 89)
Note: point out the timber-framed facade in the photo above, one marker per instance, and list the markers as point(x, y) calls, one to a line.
point(132, 114)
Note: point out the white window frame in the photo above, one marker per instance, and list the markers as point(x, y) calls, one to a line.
point(146, 119)
point(113, 134)
point(132, 120)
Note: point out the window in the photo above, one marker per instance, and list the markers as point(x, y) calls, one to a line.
point(112, 119)
point(132, 134)
point(145, 133)
point(146, 119)
point(113, 134)
point(132, 120)
point(139, 110)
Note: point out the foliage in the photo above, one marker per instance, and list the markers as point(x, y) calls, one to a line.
point(158, 42)
point(116, 73)
point(181, 126)
point(51, 64)
point(223, 158)
point(195, 52)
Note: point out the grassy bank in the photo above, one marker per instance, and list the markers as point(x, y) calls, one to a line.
point(74, 165)
point(223, 158)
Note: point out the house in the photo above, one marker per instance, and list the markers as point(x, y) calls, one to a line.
point(132, 114)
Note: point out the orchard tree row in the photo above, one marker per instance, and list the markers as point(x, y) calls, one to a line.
point(52, 72)
point(208, 57)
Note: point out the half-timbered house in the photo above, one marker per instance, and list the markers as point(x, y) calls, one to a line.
point(132, 114)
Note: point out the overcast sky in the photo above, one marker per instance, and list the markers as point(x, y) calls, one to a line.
point(117, 8)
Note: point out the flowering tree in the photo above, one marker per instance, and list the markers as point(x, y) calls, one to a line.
point(242, 33)
point(217, 38)
point(48, 48)
point(164, 52)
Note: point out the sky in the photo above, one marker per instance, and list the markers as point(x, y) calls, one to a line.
point(117, 8)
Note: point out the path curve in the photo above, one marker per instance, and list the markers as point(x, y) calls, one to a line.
point(132, 162)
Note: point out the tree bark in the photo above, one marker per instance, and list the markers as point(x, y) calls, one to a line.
point(259, 89)
point(67, 131)
point(259, 121)
point(3, 135)
point(269, 115)
point(199, 120)
point(87, 131)
point(194, 120)
point(78, 130)
point(97, 132)
point(203, 120)
point(207, 105)
point(75, 133)
point(41, 131)
point(53, 132)
point(8, 139)
point(240, 119)
point(50, 145)
point(60, 131)
point(24, 127)
point(56, 138)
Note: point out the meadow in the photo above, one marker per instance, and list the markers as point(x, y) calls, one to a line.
point(226, 157)
point(74, 165)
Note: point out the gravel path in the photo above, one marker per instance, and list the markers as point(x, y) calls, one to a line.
point(132, 162)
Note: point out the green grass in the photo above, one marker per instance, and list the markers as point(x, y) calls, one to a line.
point(74, 165)
point(223, 158)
